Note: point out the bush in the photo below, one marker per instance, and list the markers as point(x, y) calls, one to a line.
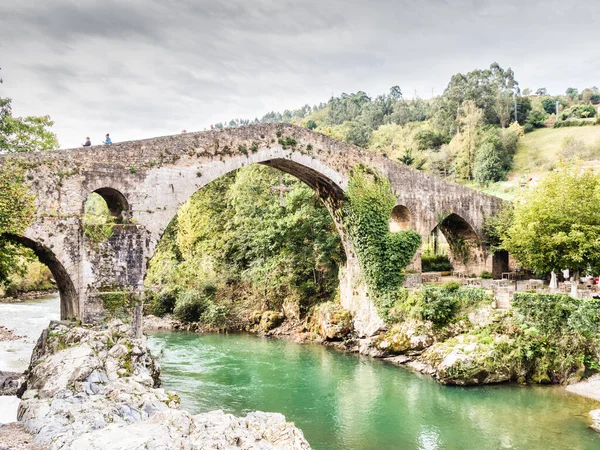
point(215, 315)
point(485, 275)
point(164, 302)
point(573, 123)
point(528, 128)
point(579, 112)
point(536, 119)
point(435, 263)
point(559, 335)
point(193, 303)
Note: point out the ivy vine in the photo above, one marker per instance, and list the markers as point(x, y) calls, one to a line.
point(382, 255)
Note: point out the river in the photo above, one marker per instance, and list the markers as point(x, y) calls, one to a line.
point(349, 402)
point(340, 401)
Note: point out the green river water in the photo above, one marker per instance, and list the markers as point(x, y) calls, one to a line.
point(343, 401)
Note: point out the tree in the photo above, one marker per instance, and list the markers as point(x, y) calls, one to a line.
point(18, 134)
point(24, 134)
point(556, 224)
point(492, 159)
point(17, 208)
point(311, 124)
point(466, 141)
point(492, 90)
point(572, 93)
point(541, 91)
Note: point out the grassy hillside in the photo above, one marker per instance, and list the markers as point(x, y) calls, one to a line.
point(539, 151)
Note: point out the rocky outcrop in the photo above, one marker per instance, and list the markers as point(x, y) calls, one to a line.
point(98, 389)
point(10, 382)
point(409, 336)
point(469, 360)
point(331, 321)
point(8, 335)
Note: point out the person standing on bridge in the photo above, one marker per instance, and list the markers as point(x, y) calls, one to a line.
point(87, 143)
point(107, 141)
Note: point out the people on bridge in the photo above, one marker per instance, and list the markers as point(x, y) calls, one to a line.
point(87, 143)
point(107, 141)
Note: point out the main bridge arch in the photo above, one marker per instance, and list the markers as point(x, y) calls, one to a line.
point(156, 176)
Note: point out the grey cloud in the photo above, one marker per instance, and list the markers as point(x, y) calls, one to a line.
point(143, 67)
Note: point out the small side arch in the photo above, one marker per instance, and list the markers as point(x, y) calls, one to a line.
point(401, 219)
point(69, 302)
point(464, 244)
point(117, 203)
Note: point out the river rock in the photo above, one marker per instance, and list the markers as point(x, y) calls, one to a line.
point(99, 389)
point(332, 321)
point(10, 382)
point(595, 416)
point(411, 335)
point(465, 360)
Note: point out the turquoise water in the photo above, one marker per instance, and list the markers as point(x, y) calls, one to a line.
point(349, 402)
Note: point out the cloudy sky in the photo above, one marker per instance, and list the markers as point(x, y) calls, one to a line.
point(142, 68)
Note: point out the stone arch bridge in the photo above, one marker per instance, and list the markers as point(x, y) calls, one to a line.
point(145, 182)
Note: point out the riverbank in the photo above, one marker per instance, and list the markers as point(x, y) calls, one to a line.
point(481, 345)
point(30, 295)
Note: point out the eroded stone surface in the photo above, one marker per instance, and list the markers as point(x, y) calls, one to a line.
point(98, 389)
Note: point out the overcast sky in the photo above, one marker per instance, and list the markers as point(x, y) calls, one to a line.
point(143, 68)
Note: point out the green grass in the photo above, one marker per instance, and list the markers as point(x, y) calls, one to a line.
point(540, 150)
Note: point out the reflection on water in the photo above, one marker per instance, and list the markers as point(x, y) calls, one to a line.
point(26, 319)
point(349, 402)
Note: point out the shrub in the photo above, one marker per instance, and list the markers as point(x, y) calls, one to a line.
point(573, 123)
point(215, 315)
point(164, 302)
point(559, 334)
point(435, 263)
point(486, 275)
point(579, 112)
point(192, 303)
point(528, 128)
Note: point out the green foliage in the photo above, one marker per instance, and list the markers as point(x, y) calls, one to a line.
point(191, 304)
point(431, 262)
point(311, 124)
point(559, 335)
point(579, 112)
point(438, 304)
point(536, 119)
point(491, 90)
point(555, 224)
point(17, 208)
point(24, 134)
point(381, 254)
point(234, 233)
point(164, 302)
point(573, 123)
point(428, 139)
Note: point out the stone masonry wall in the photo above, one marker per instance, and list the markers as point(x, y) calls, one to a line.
point(156, 176)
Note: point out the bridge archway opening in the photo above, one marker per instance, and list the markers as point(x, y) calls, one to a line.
point(107, 202)
point(69, 303)
point(400, 219)
point(458, 238)
point(234, 232)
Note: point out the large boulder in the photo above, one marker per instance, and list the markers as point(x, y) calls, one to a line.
point(332, 321)
point(408, 336)
point(471, 359)
point(98, 389)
